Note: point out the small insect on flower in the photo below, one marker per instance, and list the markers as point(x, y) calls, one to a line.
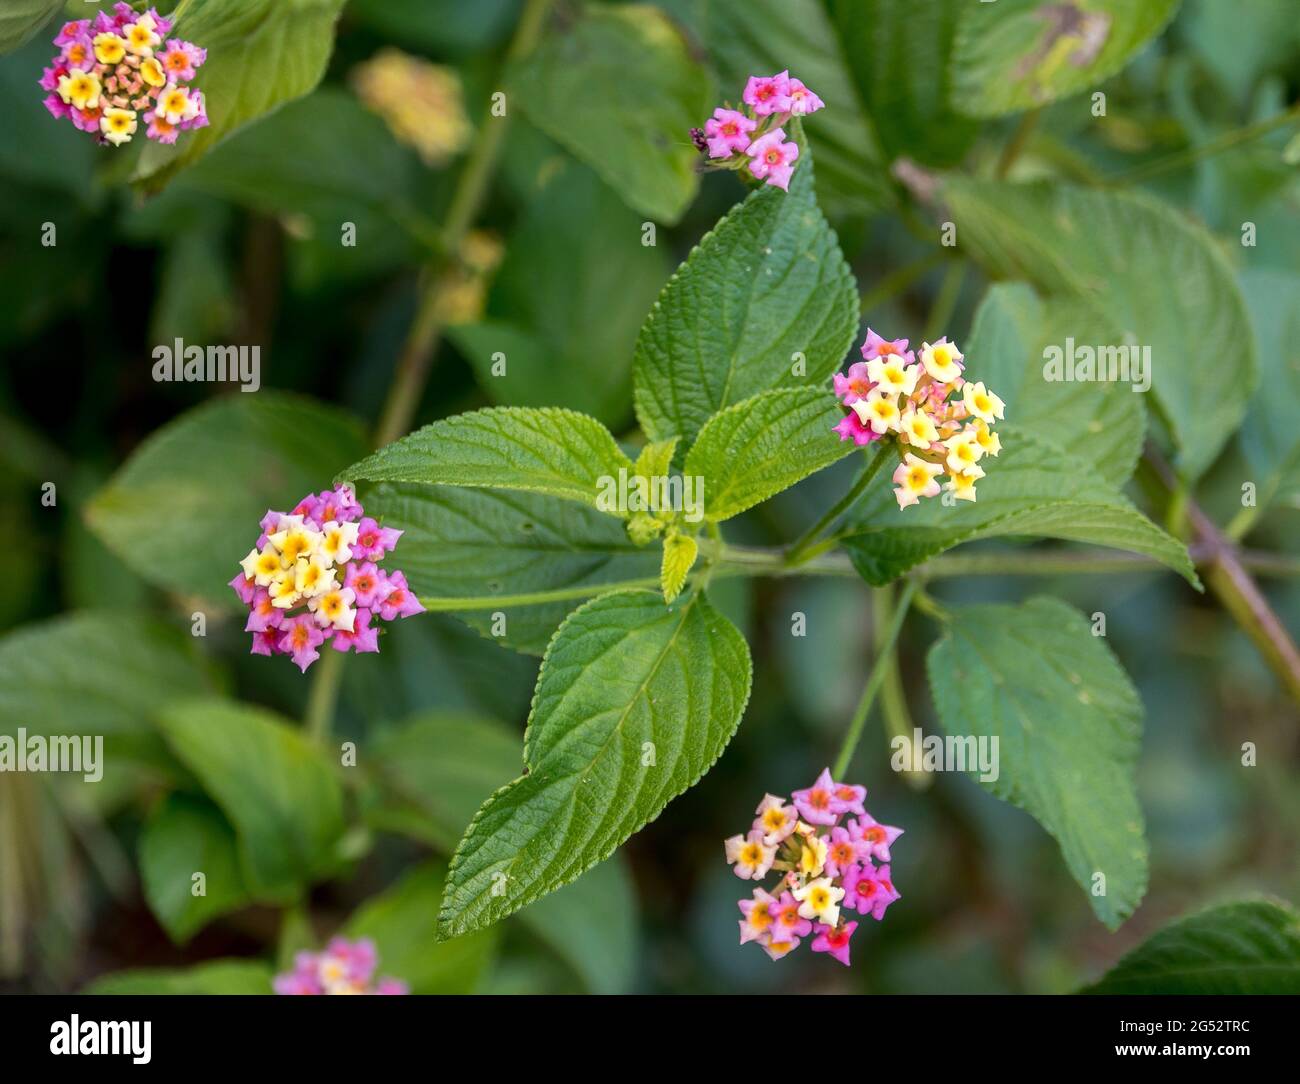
point(344, 967)
point(939, 422)
point(118, 69)
point(312, 579)
point(753, 139)
point(827, 868)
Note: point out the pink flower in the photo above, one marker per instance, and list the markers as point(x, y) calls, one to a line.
point(876, 347)
point(368, 584)
point(768, 94)
point(842, 851)
point(818, 804)
point(345, 967)
point(851, 428)
point(728, 132)
point(363, 639)
point(772, 160)
point(373, 541)
point(834, 940)
point(302, 636)
point(180, 58)
point(266, 643)
point(400, 602)
point(854, 385)
point(263, 615)
point(72, 31)
point(876, 836)
point(757, 923)
point(160, 129)
point(850, 796)
point(869, 890)
point(803, 100)
point(787, 923)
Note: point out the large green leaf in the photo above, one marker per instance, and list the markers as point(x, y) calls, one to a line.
point(567, 302)
point(634, 703)
point(1068, 723)
point(261, 54)
point(762, 445)
point(279, 792)
point(764, 301)
point(96, 674)
point(1156, 278)
point(619, 88)
point(184, 509)
point(1270, 436)
point(1032, 488)
point(403, 924)
point(436, 770)
point(186, 835)
point(1101, 423)
point(1243, 947)
point(760, 37)
point(214, 977)
point(21, 19)
point(1017, 54)
point(898, 52)
point(534, 449)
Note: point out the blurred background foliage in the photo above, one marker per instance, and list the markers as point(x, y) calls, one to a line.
point(244, 247)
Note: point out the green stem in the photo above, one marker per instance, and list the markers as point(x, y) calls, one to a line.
point(1016, 144)
point(883, 651)
point(802, 548)
point(472, 186)
point(323, 696)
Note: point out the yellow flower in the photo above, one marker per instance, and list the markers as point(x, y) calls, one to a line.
point(914, 478)
point(962, 485)
point(812, 855)
point(963, 451)
point(284, 593)
point(878, 410)
point(982, 403)
point(118, 125)
point(988, 440)
point(109, 48)
point(918, 428)
point(820, 899)
point(140, 36)
point(314, 577)
point(262, 568)
point(80, 89)
point(892, 375)
point(175, 104)
point(152, 72)
point(940, 361)
point(337, 542)
point(295, 544)
point(335, 609)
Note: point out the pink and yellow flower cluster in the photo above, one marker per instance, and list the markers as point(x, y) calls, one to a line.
point(344, 967)
point(755, 137)
point(827, 868)
point(117, 70)
point(941, 422)
point(312, 578)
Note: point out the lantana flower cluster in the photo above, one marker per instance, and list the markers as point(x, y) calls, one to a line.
point(828, 869)
point(312, 578)
point(421, 102)
point(344, 967)
point(754, 138)
point(941, 422)
point(116, 70)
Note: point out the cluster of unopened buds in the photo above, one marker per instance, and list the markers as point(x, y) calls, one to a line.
point(755, 137)
point(344, 967)
point(827, 868)
point(312, 578)
point(941, 422)
point(117, 69)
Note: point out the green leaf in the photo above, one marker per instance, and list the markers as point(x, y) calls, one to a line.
point(261, 54)
point(1270, 437)
point(439, 27)
point(184, 509)
point(403, 923)
point(634, 703)
point(279, 792)
point(899, 54)
point(765, 300)
point(759, 37)
point(1157, 279)
point(567, 302)
point(186, 835)
point(680, 552)
point(655, 460)
point(1069, 725)
point(214, 977)
point(21, 19)
point(1244, 947)
point(535, 449)
point(620, 90)
point(491, 545)
point(436, 771)
point(763, 445)
point(1032, 488)
point(1101, 423)
point(96, 673)
point(1018, 54)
